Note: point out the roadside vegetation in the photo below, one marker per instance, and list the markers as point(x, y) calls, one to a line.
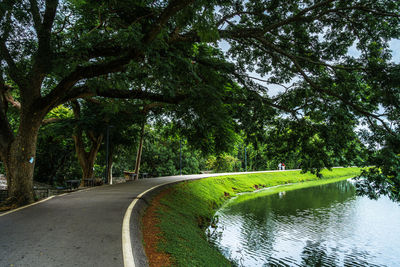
point(188, 208)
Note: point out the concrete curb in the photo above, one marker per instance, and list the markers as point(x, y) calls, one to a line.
point(26, 206)
point(134, 253)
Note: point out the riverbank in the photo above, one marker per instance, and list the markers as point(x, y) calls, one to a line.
point(183, 212)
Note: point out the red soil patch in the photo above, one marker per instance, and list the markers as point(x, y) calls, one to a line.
point(151, 234)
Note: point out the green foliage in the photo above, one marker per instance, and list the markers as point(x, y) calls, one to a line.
point(55, 157)
point(188, 208)
point(161, 152)
point(61, 112)
point(99, 170)
point(222, 163)
point(383, 145)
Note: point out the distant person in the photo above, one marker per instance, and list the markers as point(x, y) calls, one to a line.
point(283, 166)
point(280, 166)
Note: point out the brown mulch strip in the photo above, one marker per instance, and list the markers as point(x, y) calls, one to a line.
point(151, 234)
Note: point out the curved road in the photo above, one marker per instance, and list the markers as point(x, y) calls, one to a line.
point(82, 228)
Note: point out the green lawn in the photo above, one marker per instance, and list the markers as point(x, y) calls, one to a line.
point(187, 211)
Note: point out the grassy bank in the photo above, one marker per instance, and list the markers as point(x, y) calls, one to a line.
point(187, 209)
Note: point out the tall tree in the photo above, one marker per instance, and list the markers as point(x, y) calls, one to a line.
point(95, 138)
point(42, 51)
point(54, 51)
point(55, 152)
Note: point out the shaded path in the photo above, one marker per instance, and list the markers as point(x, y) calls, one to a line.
point(78, 229)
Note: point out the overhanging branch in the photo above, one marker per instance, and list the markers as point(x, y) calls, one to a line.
point(86, 92)
point(15, 73)
point(316, 87)
point(10, 99)
point(51, 120)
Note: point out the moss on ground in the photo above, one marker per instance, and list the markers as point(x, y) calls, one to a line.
point(186, 212)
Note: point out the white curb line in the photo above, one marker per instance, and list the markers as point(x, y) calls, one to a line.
point(126, 234)
point(27, 206)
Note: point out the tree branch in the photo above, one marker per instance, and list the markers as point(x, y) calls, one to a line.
point(173, 7)
point(5, 90)
point(49, 15)
point(266, 101)
point(112, 66)
point(37, 20)
point(51, 120)
point(139, 94)
point(98, 25)
point(44, 52)
point(367, 9)
point(61, 91)
point(259, 32)
point(237, 13)
point(316, 87)
point(91, 136)
point(298, 16)
point(86, 92)
point(63, 25)
point(6, 134)
point(150, 106)
point(15, 73)
point(266, 81)
point(12, 101)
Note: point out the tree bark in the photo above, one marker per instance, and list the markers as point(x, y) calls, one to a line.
point(86, 159)
point(19, 160)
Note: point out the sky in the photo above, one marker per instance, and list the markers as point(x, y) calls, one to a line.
point(395, 47)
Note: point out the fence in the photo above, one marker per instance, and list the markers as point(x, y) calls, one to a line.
point(3, 195)
point(47, 192)
point(39, 193)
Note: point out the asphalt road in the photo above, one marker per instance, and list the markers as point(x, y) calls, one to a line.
point(82, 228)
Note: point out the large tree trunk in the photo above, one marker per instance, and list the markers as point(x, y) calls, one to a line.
point(19, 160)
point(18, 151)
point(87, 159)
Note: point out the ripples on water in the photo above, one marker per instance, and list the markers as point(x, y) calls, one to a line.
point(320, 226)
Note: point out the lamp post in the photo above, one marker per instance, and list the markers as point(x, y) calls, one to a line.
point(245, 159)
point(180, 156)
point(239, 156)
point(107, 153)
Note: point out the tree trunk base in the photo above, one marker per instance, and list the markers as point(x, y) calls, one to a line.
point(10, 204)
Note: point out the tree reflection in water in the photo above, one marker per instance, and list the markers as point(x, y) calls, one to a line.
point(318, 226)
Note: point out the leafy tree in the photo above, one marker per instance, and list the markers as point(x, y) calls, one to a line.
point(161, 152)
point(56, 158)
point(94, 120)
point(383, 148)
point(222, 163)
point(52, 52)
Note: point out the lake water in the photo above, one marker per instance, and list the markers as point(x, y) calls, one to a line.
point(325, 225)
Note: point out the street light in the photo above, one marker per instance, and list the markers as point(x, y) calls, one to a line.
point(180, 156)
point(107, 153)
point(245, 158)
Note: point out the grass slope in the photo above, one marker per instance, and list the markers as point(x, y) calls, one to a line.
point(187, 210)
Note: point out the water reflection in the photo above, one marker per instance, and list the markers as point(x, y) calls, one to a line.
point(320, 226)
